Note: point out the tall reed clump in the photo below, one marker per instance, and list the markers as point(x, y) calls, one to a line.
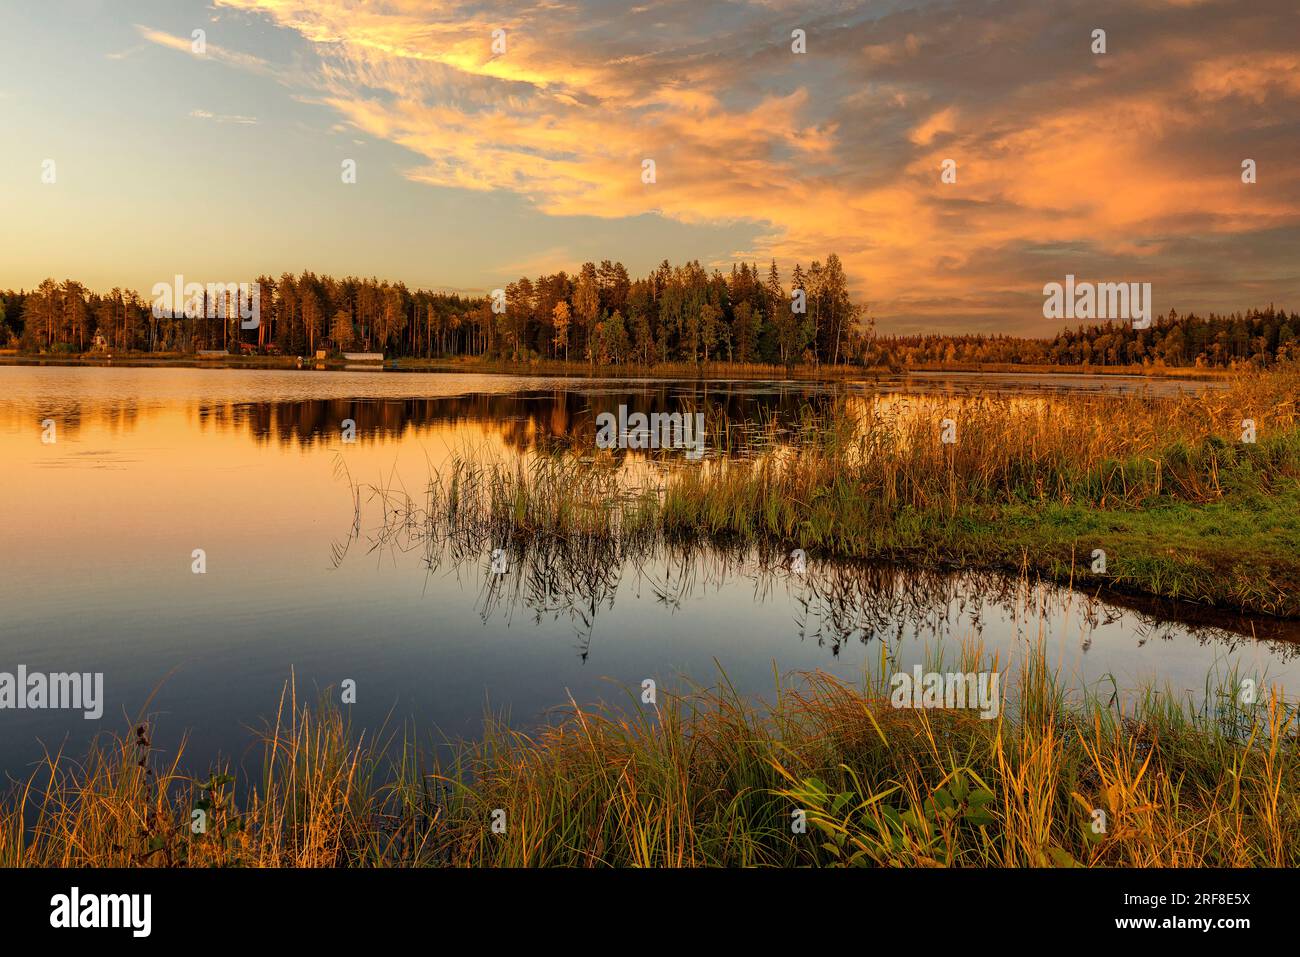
point(1182, 507)
point(826, 774)
point(887, 454)
point(316, 803)
point(1167, 488)
point(712, 780)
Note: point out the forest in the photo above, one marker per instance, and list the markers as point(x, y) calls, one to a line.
point(1256, 337)
point(602, 316)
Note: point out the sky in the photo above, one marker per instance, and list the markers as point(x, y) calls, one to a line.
point(475, 166)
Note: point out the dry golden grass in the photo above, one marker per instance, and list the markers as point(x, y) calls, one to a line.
point(712, 779)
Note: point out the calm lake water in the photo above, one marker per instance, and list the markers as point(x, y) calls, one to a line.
point(97, 530)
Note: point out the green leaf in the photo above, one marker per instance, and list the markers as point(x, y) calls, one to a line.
point(959, 788)
point(1060, 857)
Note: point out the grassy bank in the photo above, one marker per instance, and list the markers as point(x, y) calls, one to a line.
point(712, 779)
point(1179, 504)
point(1238, 547)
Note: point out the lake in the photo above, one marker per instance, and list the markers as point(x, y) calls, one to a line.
point(99, 527)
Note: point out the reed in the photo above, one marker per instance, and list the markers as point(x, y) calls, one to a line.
point(709, 777)
point(1179, 504)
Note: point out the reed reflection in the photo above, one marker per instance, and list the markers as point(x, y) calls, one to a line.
point(521, 564)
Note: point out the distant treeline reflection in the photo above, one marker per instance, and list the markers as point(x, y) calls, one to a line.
point(524, 420)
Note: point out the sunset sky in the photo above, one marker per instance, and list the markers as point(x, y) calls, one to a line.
point(475, 168)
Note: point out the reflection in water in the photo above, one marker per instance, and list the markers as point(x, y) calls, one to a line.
point(524, 420)
point(577, 577)
point(307, 409)
point(97, 538)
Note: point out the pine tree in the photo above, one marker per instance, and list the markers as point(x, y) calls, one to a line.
point(561, 315)
point(341, 330)
point(586, 302)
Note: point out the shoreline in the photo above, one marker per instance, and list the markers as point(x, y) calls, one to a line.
point(708, 370)
point(823, 774)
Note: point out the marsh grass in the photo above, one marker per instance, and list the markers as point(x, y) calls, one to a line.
point(709, 777)
point(1181, 506)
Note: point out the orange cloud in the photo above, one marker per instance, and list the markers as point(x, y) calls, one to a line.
point(741, 129)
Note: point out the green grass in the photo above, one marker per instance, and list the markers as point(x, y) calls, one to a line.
point(1239, 549)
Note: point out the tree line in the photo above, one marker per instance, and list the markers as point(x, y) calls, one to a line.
point(1259, 336)
point(599, 315)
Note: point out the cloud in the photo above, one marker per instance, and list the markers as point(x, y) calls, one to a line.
point(223, 117)
point(544, 262)
point(244, 61)
point(1121, 166)
point(125, 54)
point(943, 121)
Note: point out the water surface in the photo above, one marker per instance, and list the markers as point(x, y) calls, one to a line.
point(98, 529)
